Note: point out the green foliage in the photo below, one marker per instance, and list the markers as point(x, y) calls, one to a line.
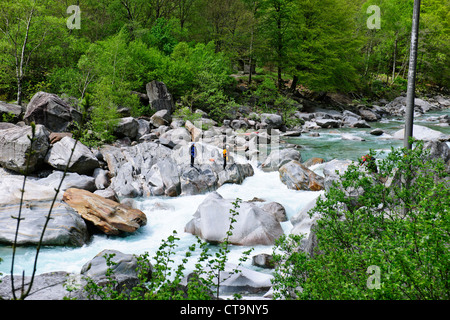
point(192, 44)
point(265, 97)
point(8, 117)
point(399, 225)
point(161, 36)
point(201, 77)
point(97, 125)
point(185, 114)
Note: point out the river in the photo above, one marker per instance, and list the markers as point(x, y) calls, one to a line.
point(167, 214)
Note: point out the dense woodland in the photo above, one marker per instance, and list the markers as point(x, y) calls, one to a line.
point(199, 49)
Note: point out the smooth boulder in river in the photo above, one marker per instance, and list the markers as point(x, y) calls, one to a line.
point(65, 228)
point(298, 177)
point(107, 215)
point(253, 225)
point(15, 145)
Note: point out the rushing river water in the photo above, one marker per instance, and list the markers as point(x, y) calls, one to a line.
point(167, 214)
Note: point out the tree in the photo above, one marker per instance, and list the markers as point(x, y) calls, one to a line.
point(325, 46)
point(434, 45)
point(390, 43)
point(184, 10)
point(372, 220)
point(276, 22)
point(25, 27)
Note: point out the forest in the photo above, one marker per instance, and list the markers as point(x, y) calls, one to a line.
point(203, 49)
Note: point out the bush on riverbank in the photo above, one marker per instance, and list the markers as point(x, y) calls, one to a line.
point(381, 235)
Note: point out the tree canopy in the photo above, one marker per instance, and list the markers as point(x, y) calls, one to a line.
point(195, 45)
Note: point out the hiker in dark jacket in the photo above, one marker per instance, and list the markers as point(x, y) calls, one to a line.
point(193, 154)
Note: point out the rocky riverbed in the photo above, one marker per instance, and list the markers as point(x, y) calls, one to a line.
point(134, 192)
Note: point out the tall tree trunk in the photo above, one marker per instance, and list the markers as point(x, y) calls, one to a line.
point(279, 77)
point(409, 119)
point(251, 59)
point(21, 60)
point(394, 58)
point(19, 91)
point(294, 83)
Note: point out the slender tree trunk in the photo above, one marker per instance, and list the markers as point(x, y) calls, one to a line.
point(19, 91)
point(294, 83)
point(20, 60)
point(412, 76)
point(251, 59)
point(394, 58)
point(369, 50)
point(280, 47)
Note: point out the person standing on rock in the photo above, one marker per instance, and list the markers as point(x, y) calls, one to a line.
point(370, 163)
point(193, 154)
point(225, 156)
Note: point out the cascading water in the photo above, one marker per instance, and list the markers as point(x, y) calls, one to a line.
point(168, 214)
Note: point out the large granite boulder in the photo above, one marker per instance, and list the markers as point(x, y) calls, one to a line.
point(54, 285)
point(11, 186)
point(278, 158)
point(15, 145)
point(127, 127)
point(123, 264)
point(161, 118)
point(177, 136)
point(10, 110)
point(71, 180)
point(47, 286)
point(253, 225)
point(273, 121)
point(332, 170)
point(198, 180)
point(124, 270)
point(159, 97)
point(397, 107)
point(244, 281)
point(368, 115)
point(83, 160)
point(328, 123)
point(108, 216)
point(298, 177)
point(51, 111)
point(65, 228)
point(423, 133)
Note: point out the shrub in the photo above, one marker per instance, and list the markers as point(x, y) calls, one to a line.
point(395, 222)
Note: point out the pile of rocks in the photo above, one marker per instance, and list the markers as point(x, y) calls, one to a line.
point(151, 157)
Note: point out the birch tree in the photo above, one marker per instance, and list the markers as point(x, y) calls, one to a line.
point(23, 32)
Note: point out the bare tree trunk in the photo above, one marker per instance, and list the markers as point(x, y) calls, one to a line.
point(294, 83)
point(20, 61)
point(251, 59)
point(412, 76)
point(395, 58)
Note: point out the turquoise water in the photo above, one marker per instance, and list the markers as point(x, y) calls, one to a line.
point(329, 145)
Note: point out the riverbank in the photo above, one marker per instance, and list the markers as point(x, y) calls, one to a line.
point(166, 212)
